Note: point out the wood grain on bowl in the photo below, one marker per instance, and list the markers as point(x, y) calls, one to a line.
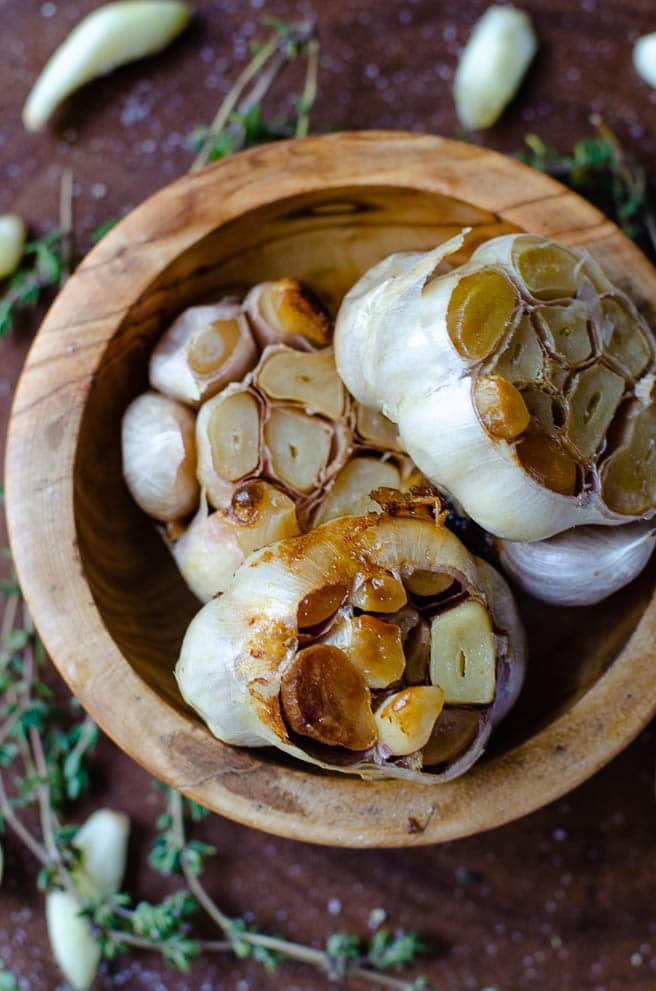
point(104, 594)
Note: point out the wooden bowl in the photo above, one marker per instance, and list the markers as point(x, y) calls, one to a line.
point(103, 591)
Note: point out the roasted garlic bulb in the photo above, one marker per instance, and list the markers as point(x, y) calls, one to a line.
point(375, 645)
point(522, 382)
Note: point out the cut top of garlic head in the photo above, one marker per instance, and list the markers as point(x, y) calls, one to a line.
point(375, 645)
point(522, 381)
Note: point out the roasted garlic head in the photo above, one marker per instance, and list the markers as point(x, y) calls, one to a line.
point(375, 645)
point(522, 382)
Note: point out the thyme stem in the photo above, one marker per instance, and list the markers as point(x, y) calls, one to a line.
point(309, 94)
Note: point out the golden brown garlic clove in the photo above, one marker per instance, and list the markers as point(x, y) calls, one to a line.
point(406, 719)
point(286, 312)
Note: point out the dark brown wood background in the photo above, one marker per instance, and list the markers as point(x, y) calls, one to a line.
point(561, 900)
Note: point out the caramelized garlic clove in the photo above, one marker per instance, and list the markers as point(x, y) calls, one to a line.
point(159, 456)
point(480, 312)
point(548, 270)
point(349, 494)
point(628, 476)
point(298, 446)
point(500, 406)
point(375, 648)
point(546, 460)
point(307, 378)
point(286, 312)
point(427, 584)
point(406, 719)
point(378, 591)
point(320, 605)
point(463, 657)
point(204, 350)
point(453, 733)
point(325, 697)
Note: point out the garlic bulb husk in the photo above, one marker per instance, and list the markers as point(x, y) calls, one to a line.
point(286, 312)
point(522, 384)
point(108, 37)
point(12, 241)
point(248, 658)
point(159, 456)
point(492, 65)
point(580, 567)
point(102, 841)
point(204, 349)
point(644, 58)
point(215, 544)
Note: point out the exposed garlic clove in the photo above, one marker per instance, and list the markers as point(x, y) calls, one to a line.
point(204, 350)
point(108, 37)
point(324, 696)
point(309, 379)
point(463, 656)
point(228, 439)
point(375, 647)
point(644, 58)
point(159, 456)
point(378, 591)
point(492, 65)
point(417, 647)
point(521, 383)
point(319, 605)
point(453, 733)
point(12, 241)
point(285, 312)
point(375, 430)
point(102, 841)
point(299, 447)
point(215, 544)
point(427, 584)
point(406, 719)
point(580, 567)
point(349, 494)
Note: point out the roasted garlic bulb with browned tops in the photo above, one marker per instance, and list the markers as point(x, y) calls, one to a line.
point(376, 645)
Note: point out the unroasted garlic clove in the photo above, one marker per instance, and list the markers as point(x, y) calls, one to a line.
point(405, 720)
point(108, 37)
point(12, 241)
point(204, 350)
point(285, 312)
point(159, 456)
point(463, 658)
point(492, 65)
point(73, 943)
point(580, 567)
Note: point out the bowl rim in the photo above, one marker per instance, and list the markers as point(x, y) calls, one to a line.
point(294, 802)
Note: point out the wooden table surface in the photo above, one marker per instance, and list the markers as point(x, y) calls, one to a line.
point(563, 899)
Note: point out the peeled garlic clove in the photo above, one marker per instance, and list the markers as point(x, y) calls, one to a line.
point(307, 378)
point(229, 441)
point(298, 446)
point(215, 544)
point(288, 658)
point(405, 720)
point(110, 36)
point(12, 241)
point(427, 584)
point(580, 567)
point(375, 430)
point(287, 312)
point(521, 384)
point(202, 352)
point(378, 591)
point(463, 656)
point(324, 696)
point(73, 943)
point(644, 58)
point(159, 456)
point(349, 494)
point(492, 65)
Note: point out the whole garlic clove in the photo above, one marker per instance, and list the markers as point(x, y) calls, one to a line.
point(229, 442)
point(644, 58)
point(159, 456)
point(286, 312)
point(307, 378)
point(374, 646)
point(406, 719)
point(463, 654)
point(580, 567)
point(12, 241)
point(492, 65)
point(73, 944)
point(204, 350)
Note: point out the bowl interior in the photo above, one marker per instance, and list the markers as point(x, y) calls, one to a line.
point(326, 239)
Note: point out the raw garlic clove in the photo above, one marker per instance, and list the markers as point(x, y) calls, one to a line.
point(229, 439)
point(285, 312)
point(463, 657)
point(349, 494)
point(159, 456)
point(324, 696)
point(203, 351)
point(580, 567)
point(12, 241)
point(406, 719)
point(108, 37)
point(307, 378)
point(215, 544)
point(492, 65)
point(73, 943)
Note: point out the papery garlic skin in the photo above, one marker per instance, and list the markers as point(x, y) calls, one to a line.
point(159, 456)
point(102, 841)
point(238, 648)
point(399, 348)
point(580, 567)
point(12, 241)
point(492, 65)
point(644, 58)
point(172, 368)
point(108, 37)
